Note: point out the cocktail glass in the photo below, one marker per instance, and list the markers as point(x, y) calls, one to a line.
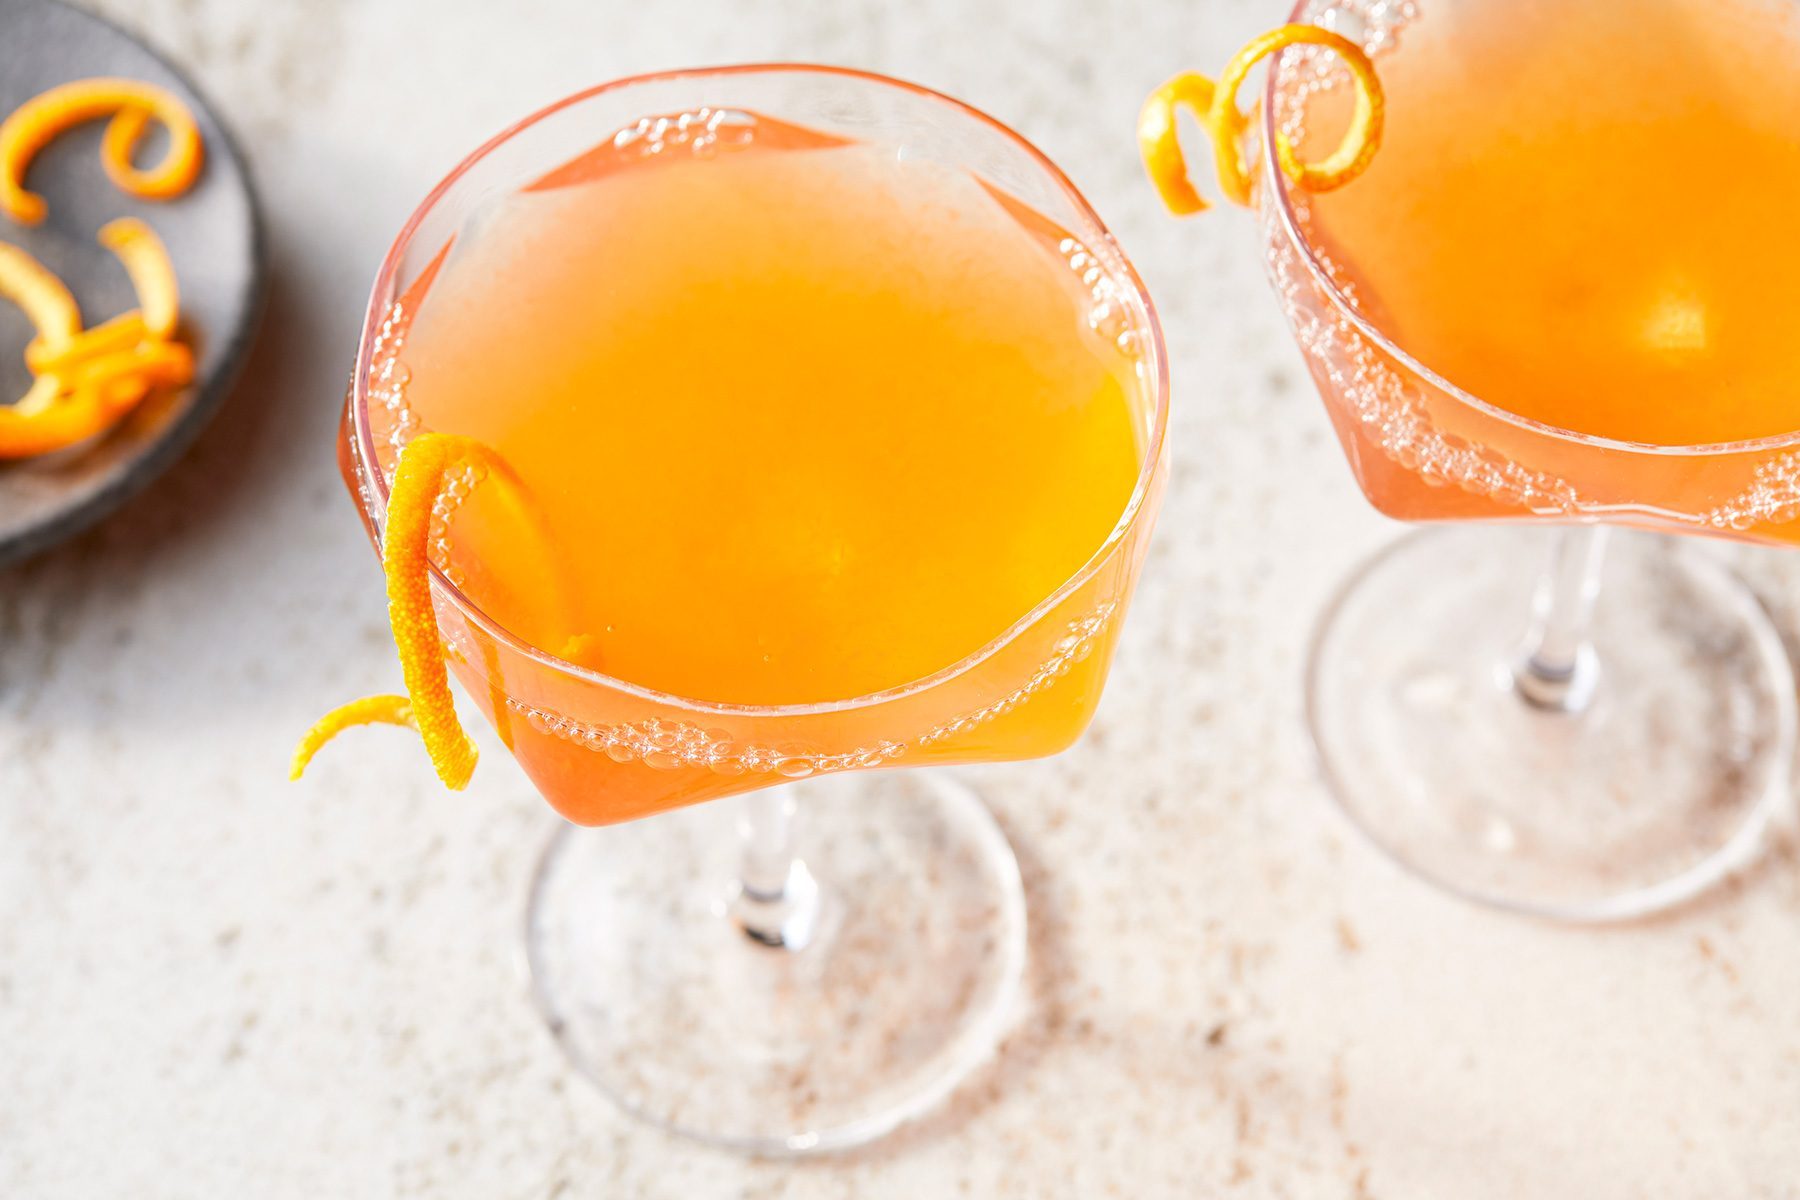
point(1563, 722)
point(805, 968)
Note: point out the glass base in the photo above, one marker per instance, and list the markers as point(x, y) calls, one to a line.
point(1659, 788)
point(909, 972)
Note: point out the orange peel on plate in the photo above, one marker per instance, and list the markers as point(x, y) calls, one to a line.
point(87, 380)
point(1215, 106)
point(150, 363)
point(30, 285)
point(130, 103)
point(428, 460)
point(146, 328)
point(61, 423)
point(152, 275)
point(179, 167)
point(119, 333)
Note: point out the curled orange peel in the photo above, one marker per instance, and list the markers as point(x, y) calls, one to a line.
point(33, 287)
point(146, 261)
point(147, 327)
point(30, 285)
point(180, 165)
point(119, 333)
point(130, 104)
point(63, 423)
point(370, 710)
point(1214, 104)
point(405, 556)
point(405, 552)
point(151, 363)
point(86, 380)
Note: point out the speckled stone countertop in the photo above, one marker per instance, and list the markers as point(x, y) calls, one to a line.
point(214, 984)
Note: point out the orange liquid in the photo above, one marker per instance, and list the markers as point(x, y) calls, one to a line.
point(1584, 212)
point(798, 422)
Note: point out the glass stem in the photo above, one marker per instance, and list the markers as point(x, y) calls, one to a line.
point(1556, 668)
point(777, 899)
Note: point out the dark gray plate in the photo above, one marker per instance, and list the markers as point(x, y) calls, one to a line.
point(213, 237)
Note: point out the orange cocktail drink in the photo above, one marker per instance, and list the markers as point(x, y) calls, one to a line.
point(1586, 232)
point(1534, 256)
point(1558, 292)
point(761, 426)
point(799, 422)
point(1575, 215)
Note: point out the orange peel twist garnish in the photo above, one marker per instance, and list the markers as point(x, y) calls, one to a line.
point(1215, 106)
point(405, 555)
point(370, 710)
point(130, 103)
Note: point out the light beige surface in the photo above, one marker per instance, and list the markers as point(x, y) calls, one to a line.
point(216, 984)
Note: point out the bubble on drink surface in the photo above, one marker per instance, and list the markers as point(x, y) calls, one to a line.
point(678, 745)
point(396, 422)
point(1307, 71)
point(1074, 646)
point(1346, 23)
point(1772, 497)
point(699, 131)
point(1098, 269)
point(1388, 403)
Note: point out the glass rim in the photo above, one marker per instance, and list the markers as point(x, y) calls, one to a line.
point(1278, 187)
point(1149, 470)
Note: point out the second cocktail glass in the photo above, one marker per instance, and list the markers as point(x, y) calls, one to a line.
point(1567, 723)
point(807, 966)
